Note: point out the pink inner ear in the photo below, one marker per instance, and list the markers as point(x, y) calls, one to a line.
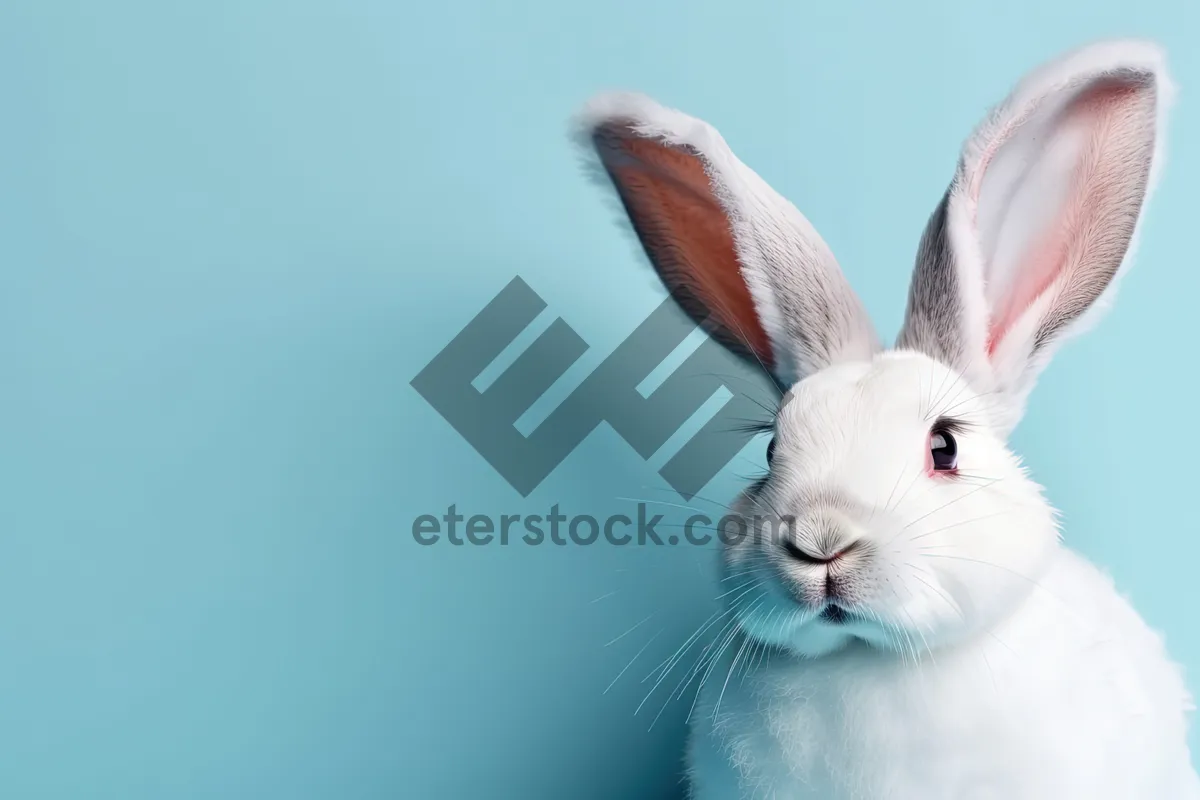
point(1097, 133)
point(1040, 269)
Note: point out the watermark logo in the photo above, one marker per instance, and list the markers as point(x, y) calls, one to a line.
point(487, 419)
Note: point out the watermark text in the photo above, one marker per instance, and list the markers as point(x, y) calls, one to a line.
point(642, 528)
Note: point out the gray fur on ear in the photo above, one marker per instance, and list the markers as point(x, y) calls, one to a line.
point(1040, 218)
point(738, 257)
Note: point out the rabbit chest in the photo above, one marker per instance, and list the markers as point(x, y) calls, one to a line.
point(1047, 706)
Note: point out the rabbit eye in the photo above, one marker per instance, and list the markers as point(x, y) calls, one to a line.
point(771, 451)
point(944, 450)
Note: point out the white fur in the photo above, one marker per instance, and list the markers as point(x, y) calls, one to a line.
point(990, 662)
point(981, 658)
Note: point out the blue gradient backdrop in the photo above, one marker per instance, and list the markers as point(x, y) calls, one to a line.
point(232, 231)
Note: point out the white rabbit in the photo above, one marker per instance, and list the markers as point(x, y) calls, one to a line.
point(902, 619)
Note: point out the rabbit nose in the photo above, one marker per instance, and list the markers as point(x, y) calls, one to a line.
point(806, 555)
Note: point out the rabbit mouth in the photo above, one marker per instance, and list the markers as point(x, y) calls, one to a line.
point(834, 614)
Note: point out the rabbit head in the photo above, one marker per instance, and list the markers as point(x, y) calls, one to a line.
point(893, 511)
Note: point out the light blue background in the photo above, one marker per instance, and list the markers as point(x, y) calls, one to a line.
point(232, 232)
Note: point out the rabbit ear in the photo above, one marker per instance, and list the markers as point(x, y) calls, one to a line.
point(1040, 217)
point(737, 257)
